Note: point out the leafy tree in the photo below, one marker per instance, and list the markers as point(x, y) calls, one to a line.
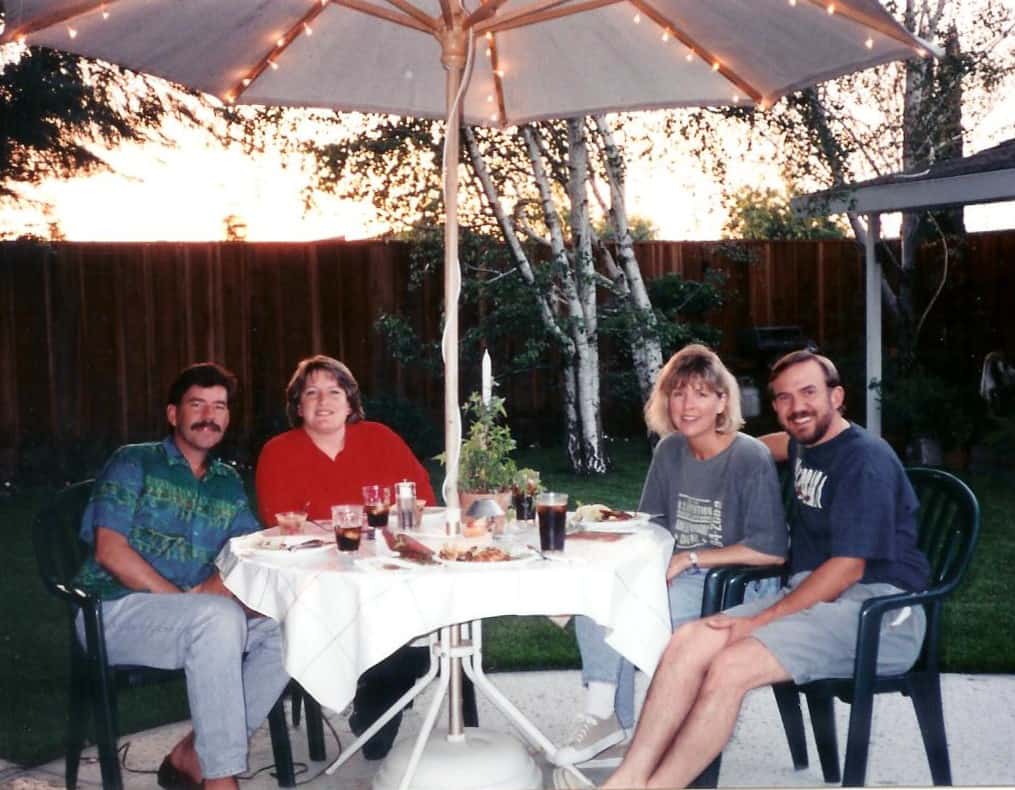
point(766, 214)
point(899, 116)
point(640, 228)
point(59, 112)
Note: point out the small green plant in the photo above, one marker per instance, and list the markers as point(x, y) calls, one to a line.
point(527, 482)
point(485, 463)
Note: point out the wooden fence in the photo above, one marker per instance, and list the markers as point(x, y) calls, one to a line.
point(91, 335)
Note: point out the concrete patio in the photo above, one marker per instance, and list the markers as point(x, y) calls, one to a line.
point(979, 711)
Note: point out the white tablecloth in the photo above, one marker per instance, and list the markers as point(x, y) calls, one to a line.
point(338, 620)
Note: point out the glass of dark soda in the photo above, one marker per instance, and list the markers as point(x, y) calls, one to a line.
point(551, 513)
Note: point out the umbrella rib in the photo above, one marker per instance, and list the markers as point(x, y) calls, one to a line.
point(416, 13)
point(447, 14)
point(887, 27)
point(383, 13)
point(281, 45)
point(542, 11)
point(55, 18)
point(484, 12)
point(677, 31)
point(498, 80)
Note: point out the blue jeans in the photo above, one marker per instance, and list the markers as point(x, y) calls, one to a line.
point(602, 664)
point(233, 665)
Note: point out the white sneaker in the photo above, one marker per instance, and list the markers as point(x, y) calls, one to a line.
point(590, 737)
point(563, 779)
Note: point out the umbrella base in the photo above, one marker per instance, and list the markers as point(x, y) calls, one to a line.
point(482, 760)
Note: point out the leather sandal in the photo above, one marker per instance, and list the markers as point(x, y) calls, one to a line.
point(172, 778)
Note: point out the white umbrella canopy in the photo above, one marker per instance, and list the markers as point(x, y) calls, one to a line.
point(530, 59)
point(534, 60)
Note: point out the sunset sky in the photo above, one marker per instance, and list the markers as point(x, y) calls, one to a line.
point(185, 192)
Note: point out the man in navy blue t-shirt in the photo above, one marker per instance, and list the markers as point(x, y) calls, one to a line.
point(853, 536)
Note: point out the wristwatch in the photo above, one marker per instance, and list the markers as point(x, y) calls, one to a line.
point(693, 557)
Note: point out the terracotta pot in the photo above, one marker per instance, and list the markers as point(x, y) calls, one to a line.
point(502, 498)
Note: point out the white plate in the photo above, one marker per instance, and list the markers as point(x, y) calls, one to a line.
point(278, 546)
point(638, 521)
point(519, 556)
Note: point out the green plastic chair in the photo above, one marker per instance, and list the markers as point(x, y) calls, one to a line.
point(949, 526)
point(94, 683)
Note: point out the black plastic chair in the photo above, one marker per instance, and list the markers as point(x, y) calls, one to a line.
point(949, 525)
point(93, 682)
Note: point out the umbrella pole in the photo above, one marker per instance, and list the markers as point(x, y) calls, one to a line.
point(452, 281)
point(452, 420)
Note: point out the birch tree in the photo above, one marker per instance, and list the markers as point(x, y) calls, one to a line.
point(538, 186)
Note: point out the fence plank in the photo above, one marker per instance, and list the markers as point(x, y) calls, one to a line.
point(92, 334)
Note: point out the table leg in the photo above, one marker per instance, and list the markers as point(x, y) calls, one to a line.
point(473, 666)
point(402, 701)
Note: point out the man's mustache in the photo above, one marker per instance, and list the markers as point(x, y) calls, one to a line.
point(798, 414)
point(206, 424)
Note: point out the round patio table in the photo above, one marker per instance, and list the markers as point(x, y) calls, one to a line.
point(341, 614)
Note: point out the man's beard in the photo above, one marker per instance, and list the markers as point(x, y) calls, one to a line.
point(816, 432)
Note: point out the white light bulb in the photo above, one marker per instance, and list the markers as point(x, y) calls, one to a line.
point(72, 32)
point(637, 19)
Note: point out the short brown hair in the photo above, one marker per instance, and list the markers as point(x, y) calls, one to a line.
point(202, 374)
point(832, 378)
point(342, 374)
point(692, 361)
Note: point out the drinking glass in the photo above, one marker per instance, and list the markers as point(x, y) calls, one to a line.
point(290, 522)
point(377, 504)
point(405, 501)
point(551, 513)
point(348, 523)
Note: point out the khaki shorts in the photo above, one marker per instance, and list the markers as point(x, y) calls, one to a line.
point(820, 642)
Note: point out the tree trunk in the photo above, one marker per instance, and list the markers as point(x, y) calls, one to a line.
point(585, 331)
point(646, 353)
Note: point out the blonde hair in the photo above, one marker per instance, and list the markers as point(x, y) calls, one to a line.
point(694, 361)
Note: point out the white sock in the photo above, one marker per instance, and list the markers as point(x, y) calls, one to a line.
point(599, 699)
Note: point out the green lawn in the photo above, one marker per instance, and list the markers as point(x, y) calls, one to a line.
point(33, 640)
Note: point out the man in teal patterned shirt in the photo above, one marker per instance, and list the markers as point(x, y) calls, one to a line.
point(159, 514)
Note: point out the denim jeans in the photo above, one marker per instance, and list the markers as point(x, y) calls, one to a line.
point(233, 665)
point(602, 664)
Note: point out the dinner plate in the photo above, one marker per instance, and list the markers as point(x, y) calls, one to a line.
point(638, 521)
point(278, 546)
point(519, 556)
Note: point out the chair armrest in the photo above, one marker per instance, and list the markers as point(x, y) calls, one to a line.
point(872, 612)
point(738, 580)
point(725, 584)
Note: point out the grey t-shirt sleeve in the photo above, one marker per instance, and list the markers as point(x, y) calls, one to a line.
point(763, 520)
point(655, 492)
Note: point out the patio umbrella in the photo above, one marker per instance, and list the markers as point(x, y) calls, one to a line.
point(527, 60)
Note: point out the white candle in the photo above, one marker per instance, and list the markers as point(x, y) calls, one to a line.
point(487, 388)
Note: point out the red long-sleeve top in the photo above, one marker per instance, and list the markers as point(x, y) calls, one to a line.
point(293, 471)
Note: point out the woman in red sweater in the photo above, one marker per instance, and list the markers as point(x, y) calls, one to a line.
point(326, 459)
point(331, 451)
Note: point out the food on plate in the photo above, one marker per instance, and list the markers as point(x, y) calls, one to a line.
point(454, 553)
point(601, 513)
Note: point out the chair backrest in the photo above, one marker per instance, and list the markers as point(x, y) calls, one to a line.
point(59, 551)
point(949, 524)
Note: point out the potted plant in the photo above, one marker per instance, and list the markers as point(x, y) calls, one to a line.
point(927, 413)
point(485, 467)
